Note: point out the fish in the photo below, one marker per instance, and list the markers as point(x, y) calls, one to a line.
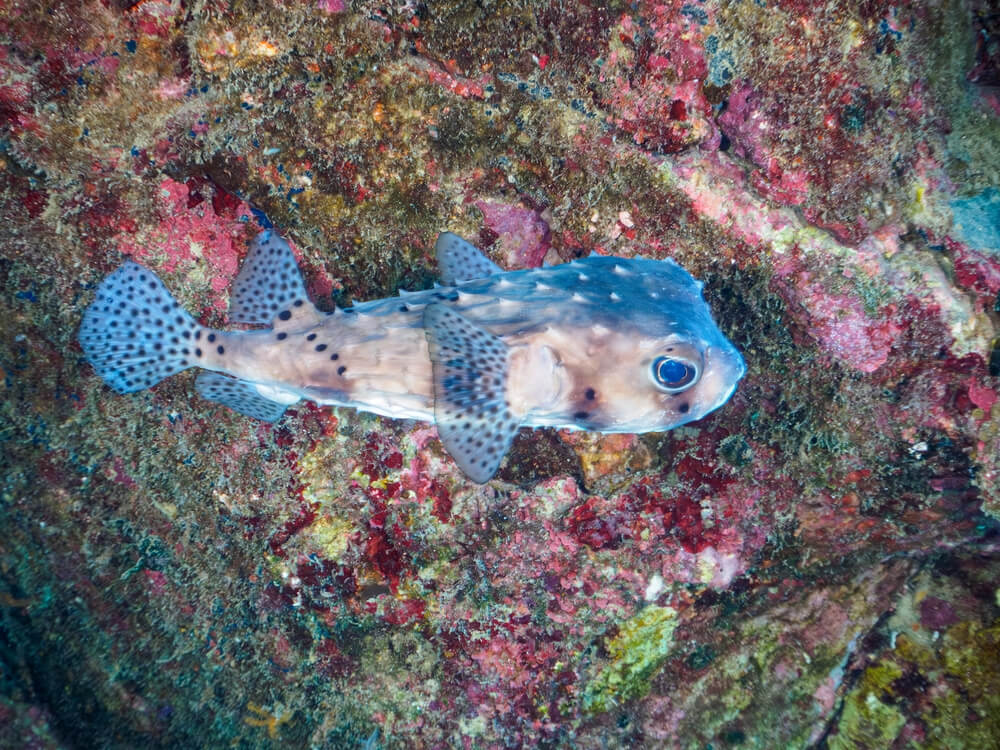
point(605, 344)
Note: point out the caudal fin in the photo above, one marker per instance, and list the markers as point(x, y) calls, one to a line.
point(135, 333)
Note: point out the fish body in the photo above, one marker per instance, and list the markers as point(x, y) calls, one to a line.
point(602, 343)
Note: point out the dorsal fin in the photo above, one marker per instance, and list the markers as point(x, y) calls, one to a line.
point(459, 260)
point(469, 367)
point(268, 289)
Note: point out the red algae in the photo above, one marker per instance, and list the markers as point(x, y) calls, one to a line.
point(188, 230)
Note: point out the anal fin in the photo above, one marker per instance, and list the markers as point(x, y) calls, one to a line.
point(471, 409)
point(241, 396)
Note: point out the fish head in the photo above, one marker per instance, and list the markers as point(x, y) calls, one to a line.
point(635, 384)
point(651, 362)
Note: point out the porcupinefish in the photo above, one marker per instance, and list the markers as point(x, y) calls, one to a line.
point(602, 343)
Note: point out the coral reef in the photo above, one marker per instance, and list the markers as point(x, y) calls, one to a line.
point(813, 565)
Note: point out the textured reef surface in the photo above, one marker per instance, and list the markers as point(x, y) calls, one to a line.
point(816, 564)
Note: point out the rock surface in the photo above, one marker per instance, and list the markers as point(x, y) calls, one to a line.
point(814, 565)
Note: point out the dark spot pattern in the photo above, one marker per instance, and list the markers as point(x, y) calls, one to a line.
point(238, 395)
point(130, 332)
point(459, 260)
point(268, 283)
point(684, 408)
point(470, 406)
point(590, 394)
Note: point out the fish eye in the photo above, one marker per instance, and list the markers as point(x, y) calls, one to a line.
point(674, 374)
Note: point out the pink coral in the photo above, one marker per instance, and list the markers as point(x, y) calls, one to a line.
point(524, 236)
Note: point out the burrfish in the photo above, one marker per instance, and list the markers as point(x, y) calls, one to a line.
point(602, 343)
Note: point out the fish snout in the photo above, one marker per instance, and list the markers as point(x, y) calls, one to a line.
point(724, 367)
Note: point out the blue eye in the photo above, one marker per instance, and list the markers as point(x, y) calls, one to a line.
point(673, 374)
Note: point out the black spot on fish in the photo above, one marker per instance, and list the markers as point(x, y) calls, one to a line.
point(590, 394)
point(282, 336)
point(341, 370)
point(335, 356)
point(581, 415)
point(197, 352)
point(211, 338)
point(285, 314)
point(320, 347)
point(311, 337)
point(684, 408)
point(221, 349)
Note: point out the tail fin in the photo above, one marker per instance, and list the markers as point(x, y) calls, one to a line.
point(135, 333)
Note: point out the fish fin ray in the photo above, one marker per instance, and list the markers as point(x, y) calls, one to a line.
point(268, 289)
point(238, 395)
point(459, 260)
point(473, 416)
point(135, 333)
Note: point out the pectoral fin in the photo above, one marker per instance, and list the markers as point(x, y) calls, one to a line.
point(471, 409)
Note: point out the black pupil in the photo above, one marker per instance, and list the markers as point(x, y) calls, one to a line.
point(673, 373)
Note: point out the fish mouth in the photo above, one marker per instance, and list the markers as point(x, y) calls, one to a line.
point(724, 368)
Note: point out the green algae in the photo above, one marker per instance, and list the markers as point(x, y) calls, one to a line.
point(641, 645)
point(868, 720)
point(961, 712)
point(967, 715)
point(973, 140)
